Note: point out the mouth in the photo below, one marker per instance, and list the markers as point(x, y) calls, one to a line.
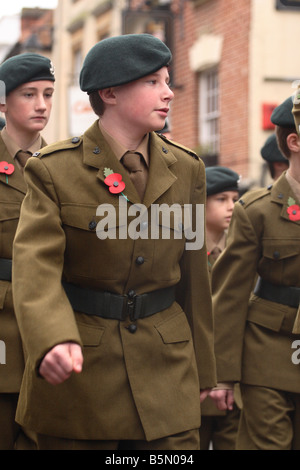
point(163, 111)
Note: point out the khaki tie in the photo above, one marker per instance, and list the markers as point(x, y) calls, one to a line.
point(215, 253)
point(138, 171)
point(22, 158)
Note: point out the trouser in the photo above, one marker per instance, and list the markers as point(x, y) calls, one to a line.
point(188, 440)
point(270, 419)
point(220, 431)
point(13, 436)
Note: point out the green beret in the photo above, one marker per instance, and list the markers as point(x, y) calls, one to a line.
point(220, 179)
point(270, 151)
point(24, 68)
point(2, 123)
point(122, 59)
point(282, 114)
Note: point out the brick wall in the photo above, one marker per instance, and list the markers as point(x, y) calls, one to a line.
point(231, 19)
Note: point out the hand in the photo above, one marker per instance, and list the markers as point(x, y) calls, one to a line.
point(223, 399)
point(204, 393)
point(60, 362)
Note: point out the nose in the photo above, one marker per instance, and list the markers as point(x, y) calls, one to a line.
point(40, 102)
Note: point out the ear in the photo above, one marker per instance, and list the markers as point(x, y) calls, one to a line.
point(3, 108)
point(293, 142)
point(108, 95)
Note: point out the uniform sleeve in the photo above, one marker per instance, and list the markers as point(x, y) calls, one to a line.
point(233, 277)
point(194, 293)
point(44, 314)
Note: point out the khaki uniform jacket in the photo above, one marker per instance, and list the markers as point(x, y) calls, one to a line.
point(254, 337)
point(149, 377)
point(12, 193)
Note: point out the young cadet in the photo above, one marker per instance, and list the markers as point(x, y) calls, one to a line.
point(263, 241)
point(277, 163)
point(28, 80)
point(122, 349)
point(219, 428)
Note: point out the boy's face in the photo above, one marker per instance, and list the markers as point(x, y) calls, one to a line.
point(219, 208)
point(143, 104)
point(28, 107)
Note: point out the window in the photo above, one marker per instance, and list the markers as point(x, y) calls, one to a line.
point(209, 111)
point(288, 4)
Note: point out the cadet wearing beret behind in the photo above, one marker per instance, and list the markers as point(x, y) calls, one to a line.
point(277, 163)
point(111, 355)
point(263, 240)
point(219, 428)
point(28, 82)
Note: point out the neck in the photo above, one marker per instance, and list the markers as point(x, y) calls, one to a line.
point(23, 139)
point(123, 133)
point(294, 168)
point(214, 235)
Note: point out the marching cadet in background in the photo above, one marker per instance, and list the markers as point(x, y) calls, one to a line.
point(219, 428)
point(28, 82)
point(122, 350)
point(2, 123)
point(277, 163)
point(263, 240)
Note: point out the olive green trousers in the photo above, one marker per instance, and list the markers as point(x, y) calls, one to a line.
point(270, 419)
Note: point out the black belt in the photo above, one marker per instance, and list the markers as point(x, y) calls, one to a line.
point(118, 307)
point(281, 294)
point(5, 269)
point(106, 304)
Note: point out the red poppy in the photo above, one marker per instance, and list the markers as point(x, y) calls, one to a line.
point(115, 183)
point(294, 212)
point(6, 168)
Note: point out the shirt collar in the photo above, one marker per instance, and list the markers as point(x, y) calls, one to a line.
point(294, 184)
point(220, 245)
point(13, 148)
point(119, 150)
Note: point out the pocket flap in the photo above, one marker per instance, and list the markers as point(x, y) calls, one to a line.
point(266, 314)
point(175, 329)
point(90, 335)
point(278, 251)
point(9, 211)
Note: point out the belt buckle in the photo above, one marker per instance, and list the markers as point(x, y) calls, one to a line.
point(129, 306)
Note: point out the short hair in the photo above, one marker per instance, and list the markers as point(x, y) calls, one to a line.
point(282, 134)
point(97, 103)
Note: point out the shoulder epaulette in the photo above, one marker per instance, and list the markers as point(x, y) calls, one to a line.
point(58, 146)
point(180, 146)
point(253, 195)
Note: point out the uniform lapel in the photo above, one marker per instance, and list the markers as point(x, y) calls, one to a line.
point(16, 179)
point(281, 193)
point(161, 177)
point(97, 153)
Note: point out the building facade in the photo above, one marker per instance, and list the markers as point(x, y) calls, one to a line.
point(233, 62)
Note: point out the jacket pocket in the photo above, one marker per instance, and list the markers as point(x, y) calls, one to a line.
point(90, 335)
point(279, 260)
point(175, 330)
point(271, 315)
